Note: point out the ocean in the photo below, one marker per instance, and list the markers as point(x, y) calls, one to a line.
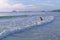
point(27, 26)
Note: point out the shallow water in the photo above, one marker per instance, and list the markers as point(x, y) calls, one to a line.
point(50, 31)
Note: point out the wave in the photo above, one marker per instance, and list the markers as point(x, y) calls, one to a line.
point(13, 16)
point(25, 23)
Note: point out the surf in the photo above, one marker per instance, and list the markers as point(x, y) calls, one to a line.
point(13, 25)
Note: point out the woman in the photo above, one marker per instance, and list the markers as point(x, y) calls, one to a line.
point(41, 18)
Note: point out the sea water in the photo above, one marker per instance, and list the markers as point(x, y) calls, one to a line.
point(12, 26)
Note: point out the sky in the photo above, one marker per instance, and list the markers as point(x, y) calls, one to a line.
point(28, 5)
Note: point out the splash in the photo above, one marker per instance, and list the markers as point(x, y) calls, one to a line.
point(9, 26)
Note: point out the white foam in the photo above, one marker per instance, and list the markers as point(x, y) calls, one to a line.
point(28, 22)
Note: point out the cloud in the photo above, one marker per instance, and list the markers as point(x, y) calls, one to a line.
point(9, 7)
point(18, 6)
point(3, 1)
point(22, 7)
